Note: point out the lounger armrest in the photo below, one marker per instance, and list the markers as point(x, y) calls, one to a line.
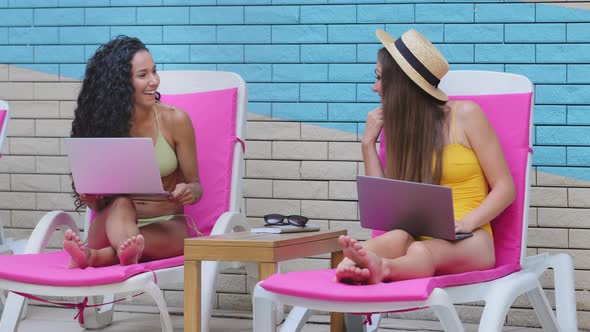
point(230, 221)
point(46, 227)
point(537, 263)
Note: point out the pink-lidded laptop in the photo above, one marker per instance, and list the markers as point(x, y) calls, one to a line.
point(114, 165)
point(419, 209)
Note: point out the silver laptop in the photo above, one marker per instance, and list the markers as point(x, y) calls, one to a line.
point(418, 208)
point(110, 166)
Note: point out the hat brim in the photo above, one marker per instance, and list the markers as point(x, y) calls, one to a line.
point(387, 42)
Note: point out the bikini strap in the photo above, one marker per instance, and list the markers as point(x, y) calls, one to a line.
point(157, 121)
point(454, 123)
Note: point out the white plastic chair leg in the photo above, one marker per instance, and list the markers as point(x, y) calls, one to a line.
point(494, 313)
point(98, 317)
point(155, 292)
point(445, 311)
point(209, 271)
point(296, 319)
point(264, 319)
point(565, 294)
point(11, 314)
point(25, 310)
point(543, 309)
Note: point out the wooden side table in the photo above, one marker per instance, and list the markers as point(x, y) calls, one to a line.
point(264, 248)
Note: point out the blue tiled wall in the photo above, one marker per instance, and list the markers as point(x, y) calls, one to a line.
point(312, 60)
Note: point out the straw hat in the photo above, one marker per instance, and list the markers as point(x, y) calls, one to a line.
point(419, 59)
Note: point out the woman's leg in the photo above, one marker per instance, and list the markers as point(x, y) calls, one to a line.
point(122, 231)
point(391, 245)
point(113, 237)
point(425, 258)
point(164, 239)
point(470, 254)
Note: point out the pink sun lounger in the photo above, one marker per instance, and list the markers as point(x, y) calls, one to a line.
point(216, 103)
point(507, 102)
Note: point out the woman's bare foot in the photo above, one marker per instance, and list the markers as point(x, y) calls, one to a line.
point(130, 250)
point(75, 248)
point(347, 272)
point(371, 269)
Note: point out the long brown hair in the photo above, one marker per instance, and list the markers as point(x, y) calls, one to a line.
point(413, 126)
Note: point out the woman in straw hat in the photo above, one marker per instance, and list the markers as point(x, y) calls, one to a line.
point(428, 139)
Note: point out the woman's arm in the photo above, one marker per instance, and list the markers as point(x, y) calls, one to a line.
point(484, 142)
point(190, 191)
point(370, 156)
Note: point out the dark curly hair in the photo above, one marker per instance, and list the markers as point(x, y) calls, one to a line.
point(105, 102)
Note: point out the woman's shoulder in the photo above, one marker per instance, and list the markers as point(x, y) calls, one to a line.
point(172, 114)
point(471, 118)
point(468, 111)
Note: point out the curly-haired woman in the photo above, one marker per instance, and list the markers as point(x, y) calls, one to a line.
point(118, 98)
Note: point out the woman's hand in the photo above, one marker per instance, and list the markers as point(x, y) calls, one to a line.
point(373, 125)
point(92, 201)
point(463, 226)
point(183, 195)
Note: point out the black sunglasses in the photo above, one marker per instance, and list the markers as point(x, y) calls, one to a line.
point(279, 219)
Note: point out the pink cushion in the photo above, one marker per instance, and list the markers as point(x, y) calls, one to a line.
point(509, 114)
point(321, 284)
point(51, 268)
point(214, 118)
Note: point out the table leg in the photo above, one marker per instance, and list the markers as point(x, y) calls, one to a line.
point(192, 296)
point(265, 270)
point(336, 318)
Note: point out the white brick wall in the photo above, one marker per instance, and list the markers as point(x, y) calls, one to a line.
point(291, 168)
point(34, 109)
point(3, 72)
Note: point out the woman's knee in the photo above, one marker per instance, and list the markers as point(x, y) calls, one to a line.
point(400, 235)
point(391, 244)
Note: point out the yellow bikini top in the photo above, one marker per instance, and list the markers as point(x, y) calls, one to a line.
point(165, 155)
point(462, 172)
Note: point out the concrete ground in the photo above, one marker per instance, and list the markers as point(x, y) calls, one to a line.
point(49, 319)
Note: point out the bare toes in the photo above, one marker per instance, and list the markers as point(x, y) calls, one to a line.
point(343, 241)
point(131, 250)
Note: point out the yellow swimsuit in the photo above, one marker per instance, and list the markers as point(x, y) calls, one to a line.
point(462, 172)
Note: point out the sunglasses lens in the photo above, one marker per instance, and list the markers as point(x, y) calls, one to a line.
point(298, 220)
point(273, 219)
